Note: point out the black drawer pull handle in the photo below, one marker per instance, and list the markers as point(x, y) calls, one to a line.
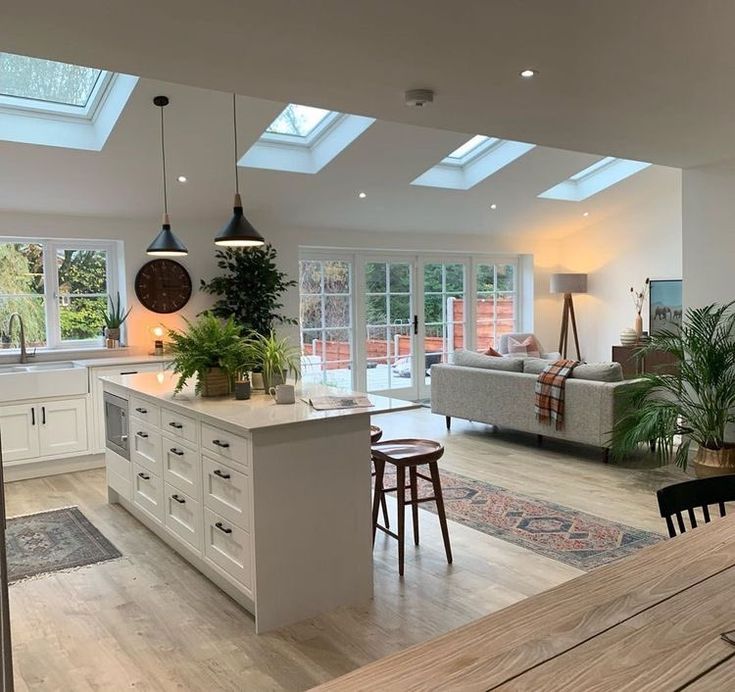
point(178, 499)
point(142, 434)
point(223, 529)
point(176, 425)
point(219, 473)
point(144, 476)
point(219, 443)
point(142, 410)
point(177, 452)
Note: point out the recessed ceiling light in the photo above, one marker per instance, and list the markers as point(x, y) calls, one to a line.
point(362, 195)
point(493, 206)
point(181, 178)
point(528, 73)
point(586, 213)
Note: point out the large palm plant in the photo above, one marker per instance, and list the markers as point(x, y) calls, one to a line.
point(694, 404)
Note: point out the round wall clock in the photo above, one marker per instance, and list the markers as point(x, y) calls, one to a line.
point(163, 286)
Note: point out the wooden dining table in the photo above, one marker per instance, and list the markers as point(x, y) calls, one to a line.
point(651, 621)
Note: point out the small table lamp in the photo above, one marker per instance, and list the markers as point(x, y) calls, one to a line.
point(568, 284)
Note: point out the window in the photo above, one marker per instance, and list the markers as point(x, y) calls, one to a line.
point(326, 321)
point(497, 304)
point(59, 288)
point(471, 148)
point(300, 121)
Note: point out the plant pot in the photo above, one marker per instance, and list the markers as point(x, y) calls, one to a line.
point(112, 334)
point(256, 380)
point(274, 380)
point(242, 390)
point(215, 382)
point(715, 462)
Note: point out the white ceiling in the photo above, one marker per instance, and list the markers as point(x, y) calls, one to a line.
point(630, 78)
point(123, 180)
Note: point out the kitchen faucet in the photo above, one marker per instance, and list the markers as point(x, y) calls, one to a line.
point(24, 355)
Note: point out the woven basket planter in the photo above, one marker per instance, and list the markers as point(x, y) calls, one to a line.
point(215, 382)
point(715, 462)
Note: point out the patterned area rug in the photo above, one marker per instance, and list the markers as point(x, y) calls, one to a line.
point(47, 542)
point(561, 533)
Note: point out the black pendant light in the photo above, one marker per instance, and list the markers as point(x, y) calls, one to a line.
point(238, 232)
point(165, 244)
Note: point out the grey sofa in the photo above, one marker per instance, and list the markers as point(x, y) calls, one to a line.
point(500, 391)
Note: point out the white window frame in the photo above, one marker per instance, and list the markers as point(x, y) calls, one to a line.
point(115, 284)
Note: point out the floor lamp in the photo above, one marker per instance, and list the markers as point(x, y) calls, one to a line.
point(568, 284)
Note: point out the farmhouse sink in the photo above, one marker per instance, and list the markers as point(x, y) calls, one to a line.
point(19, 382)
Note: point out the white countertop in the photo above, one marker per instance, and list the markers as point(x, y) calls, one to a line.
point(118, 360)
point(260, 411)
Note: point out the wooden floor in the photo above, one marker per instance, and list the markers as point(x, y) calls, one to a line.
point(151, 622)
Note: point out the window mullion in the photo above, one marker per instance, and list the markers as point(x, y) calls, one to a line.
point(51, 281)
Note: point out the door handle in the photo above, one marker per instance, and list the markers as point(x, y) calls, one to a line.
point(222, 528)
point(33, 415)
point(178, 499)
point(144, 476)
point(43, 415)
point(142, 410)
point(415, 324)
point(176, 425)
point(177, 452)
point(219, 473)
point(219, 443)
point(142, 434)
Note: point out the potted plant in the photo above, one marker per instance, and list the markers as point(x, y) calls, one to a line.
point(212, 350)
point(114, 318)
point(696, 403)
point(275, 358)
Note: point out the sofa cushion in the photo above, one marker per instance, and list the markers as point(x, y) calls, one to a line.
point(492, 352)
point(535, 366)
point(526, 348)
point(599, 372)
point(471, 359)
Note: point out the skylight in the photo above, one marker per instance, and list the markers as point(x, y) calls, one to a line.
point(469, 149)
point(595, 178)
point(469, 164)
point(47, 81)
point(303, 139)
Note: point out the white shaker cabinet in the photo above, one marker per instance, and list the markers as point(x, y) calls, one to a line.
point(18, 432)
point(62, 426)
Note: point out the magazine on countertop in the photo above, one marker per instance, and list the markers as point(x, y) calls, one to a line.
point(329, 403)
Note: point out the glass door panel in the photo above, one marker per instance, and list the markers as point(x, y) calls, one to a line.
point(496, 303)
point(390, 356)
point(444, 315)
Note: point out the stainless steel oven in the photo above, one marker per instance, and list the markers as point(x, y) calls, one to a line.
point(116, 424)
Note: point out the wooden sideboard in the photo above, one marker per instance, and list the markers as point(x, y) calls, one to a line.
point(634, 365)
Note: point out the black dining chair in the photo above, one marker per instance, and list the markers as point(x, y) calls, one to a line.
point(689, 495)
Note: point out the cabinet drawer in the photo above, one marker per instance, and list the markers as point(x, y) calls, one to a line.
point(148, 491)
point(183, 516)
point(179, 425)
point(227, 546)
point(145, 446)
point(120, 484)
point(117, 464)
point(227, 492)
point(181, 466)
point(226, 444)
point(145, 411)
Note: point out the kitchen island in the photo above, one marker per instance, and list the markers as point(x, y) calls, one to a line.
point(271, 502)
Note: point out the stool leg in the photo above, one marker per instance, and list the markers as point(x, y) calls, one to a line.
point(378, 494)
point(436, 482)
point(401, 492)
point(414, 504)
point(384, 505)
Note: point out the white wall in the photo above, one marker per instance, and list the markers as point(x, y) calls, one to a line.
point(620, 251)
point(136, 236)
point(708, 211)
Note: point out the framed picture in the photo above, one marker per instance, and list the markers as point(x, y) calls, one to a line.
point(665, 305)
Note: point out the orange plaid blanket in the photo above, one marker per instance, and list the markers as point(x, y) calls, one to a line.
point(550, 392)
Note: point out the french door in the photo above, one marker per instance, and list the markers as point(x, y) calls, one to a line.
point(378, 322)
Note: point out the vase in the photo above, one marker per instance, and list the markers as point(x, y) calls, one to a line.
point(112, 337)
point(715, 462)
point(638, 326)
point(628, 337)
point(215, 382)
point(256, 380)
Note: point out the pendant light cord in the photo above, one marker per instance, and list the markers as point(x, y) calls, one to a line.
point(234, 128)
point(163, 162)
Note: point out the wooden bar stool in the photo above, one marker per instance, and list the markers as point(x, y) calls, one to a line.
point(375, 434)
point(409, 454)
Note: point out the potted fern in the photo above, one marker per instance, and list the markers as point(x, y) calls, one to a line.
point(694, 404)
point(114, 318)
point(212, 350)
point(275, 358)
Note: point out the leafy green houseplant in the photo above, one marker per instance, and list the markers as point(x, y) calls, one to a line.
point(250, 288)
point(212, 350)
point(114, 318)
point(694, 404)
point(275, 358)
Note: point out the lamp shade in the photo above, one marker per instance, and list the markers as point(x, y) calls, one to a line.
point(568, 283)
point(239, 232)
point(166, 244)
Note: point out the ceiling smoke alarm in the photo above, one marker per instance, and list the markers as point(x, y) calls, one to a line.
point(417, 98)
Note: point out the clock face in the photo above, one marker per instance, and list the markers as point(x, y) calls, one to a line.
point(163, 286)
